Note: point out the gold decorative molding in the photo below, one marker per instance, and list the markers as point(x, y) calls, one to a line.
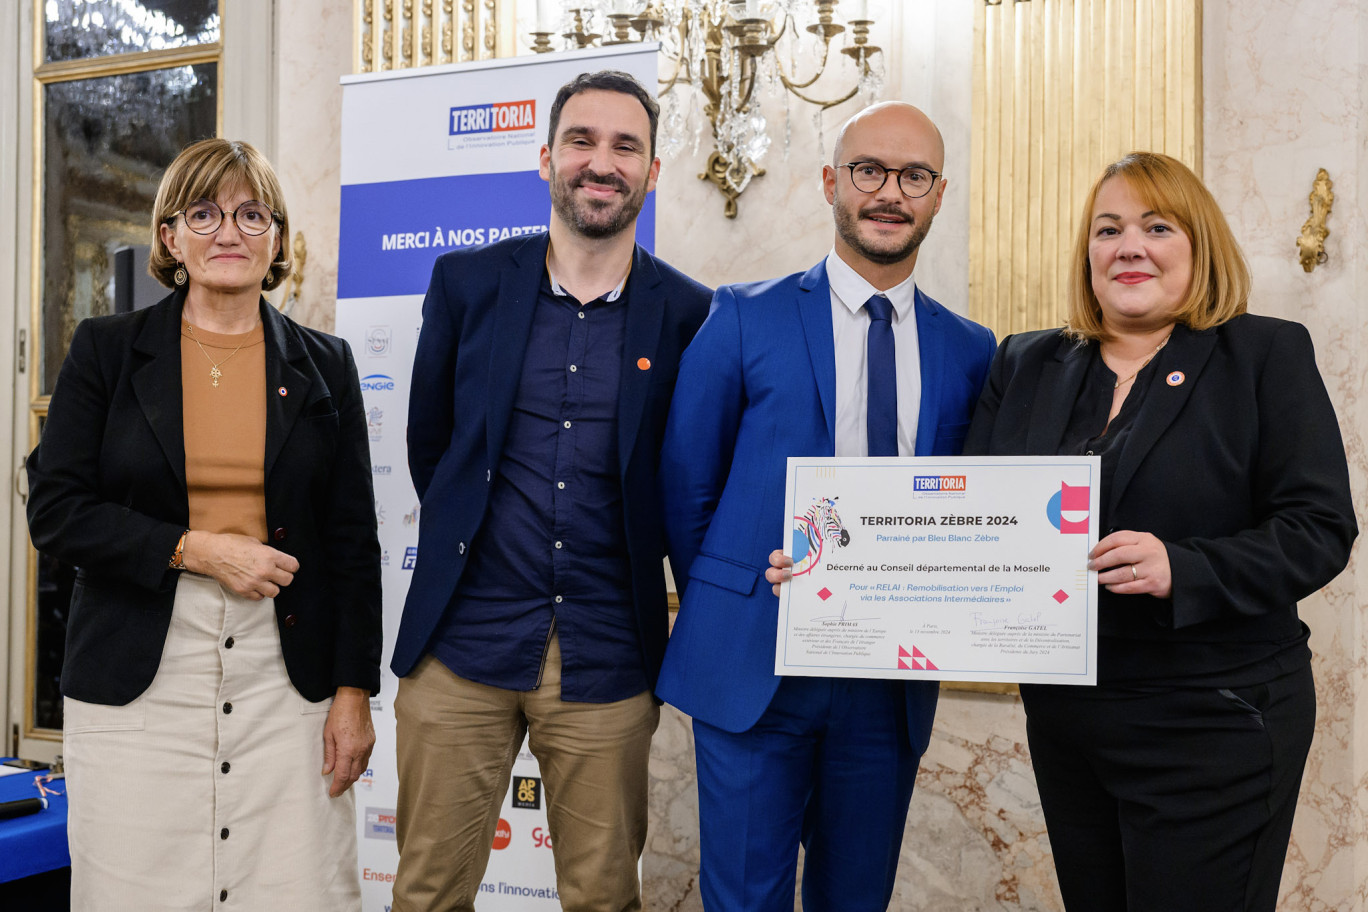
point(1062, 88)
point(1311, 244)
point(418, 33)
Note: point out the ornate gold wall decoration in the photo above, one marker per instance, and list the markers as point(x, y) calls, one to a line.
point(1062, 88)
point(417, 33)
point(1311, 244)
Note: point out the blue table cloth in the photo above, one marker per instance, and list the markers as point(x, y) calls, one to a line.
point(36, 842)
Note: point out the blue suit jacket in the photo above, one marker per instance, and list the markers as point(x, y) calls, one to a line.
point(465, 374)
point(758, 385)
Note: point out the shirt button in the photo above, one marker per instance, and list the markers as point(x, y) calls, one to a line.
point(228, 643)
point(280, 534)
point(223, 894)
point(1089, 453)
point(460, 547)
point(573, 368)
point(560, 485)
point(559, 599)
point(290, 620)
point(225, 767)
point(227, 708)
point(559, 546)
point(581, 315)
point(567, 424)
point(223, 833)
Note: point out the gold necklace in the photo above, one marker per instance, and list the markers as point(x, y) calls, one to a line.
point(1119, 383)
point(214, 372)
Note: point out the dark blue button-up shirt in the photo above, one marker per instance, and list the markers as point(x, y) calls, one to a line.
point(553, 546)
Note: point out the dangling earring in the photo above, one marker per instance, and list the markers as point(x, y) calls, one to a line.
point(270, 276)
point(181, 276)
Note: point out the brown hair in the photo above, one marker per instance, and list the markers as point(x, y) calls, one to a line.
point(201, 171)
point(1220, 276)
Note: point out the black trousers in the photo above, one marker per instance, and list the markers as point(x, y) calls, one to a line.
point(1170, 800)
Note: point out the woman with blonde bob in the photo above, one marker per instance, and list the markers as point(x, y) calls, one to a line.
point(1171, 785)
point(205, 465)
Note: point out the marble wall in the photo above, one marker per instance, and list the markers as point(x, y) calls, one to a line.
point(1286, 91)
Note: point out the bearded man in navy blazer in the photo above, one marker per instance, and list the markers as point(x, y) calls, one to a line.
point(847, 359)
point(544, 371)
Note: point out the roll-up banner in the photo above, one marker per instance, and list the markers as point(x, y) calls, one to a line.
point(437, 159)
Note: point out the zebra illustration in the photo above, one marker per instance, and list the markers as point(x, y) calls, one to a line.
point(820, 524)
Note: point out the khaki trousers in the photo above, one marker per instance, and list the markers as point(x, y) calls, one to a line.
point(456, 744)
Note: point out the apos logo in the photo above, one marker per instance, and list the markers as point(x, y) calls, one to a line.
point(503, 835)
point(375, 383)
point(378, 341)
point(1067, 509)
point(500, 117)
point(540, 838)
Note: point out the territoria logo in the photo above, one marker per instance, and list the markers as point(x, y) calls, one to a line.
point(499, 117)
point(938, 482)
point(377, 382)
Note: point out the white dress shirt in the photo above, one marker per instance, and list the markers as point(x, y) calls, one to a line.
point(850, 329)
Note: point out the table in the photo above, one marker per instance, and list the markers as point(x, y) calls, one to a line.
point(36, 842)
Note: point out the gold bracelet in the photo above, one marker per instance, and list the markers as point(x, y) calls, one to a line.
point(178, 556)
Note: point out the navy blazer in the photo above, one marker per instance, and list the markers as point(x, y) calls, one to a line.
point(107, 494)
point(465, 375)
point(759, 385)
point(1234, 461)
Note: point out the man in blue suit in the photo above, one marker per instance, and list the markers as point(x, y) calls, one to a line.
point(847, 359)
point(542, 378)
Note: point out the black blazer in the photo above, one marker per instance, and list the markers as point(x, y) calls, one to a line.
point(465, 376)
point(1239, 469)
point(107, 494)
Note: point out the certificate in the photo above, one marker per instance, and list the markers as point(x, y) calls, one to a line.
point(950, 569)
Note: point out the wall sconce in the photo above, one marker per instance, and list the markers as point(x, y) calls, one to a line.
point(1311, 244)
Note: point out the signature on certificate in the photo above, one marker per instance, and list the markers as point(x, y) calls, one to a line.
point(841, 618)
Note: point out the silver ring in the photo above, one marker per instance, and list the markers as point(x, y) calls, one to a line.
point(1134, 574)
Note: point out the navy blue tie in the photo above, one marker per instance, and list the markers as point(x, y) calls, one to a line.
point(882, 418)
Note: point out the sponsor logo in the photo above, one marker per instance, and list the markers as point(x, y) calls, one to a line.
point(499, 117)
point(377, 705)
point(938, 483)
point(375, 420)
point(373, 383)
point(384, 557)
point(1067, 509)
point(540, 838)
point(379, 513)
point(527, 793)
point(380, 470)
point(503, 835)
point(379, 823)
point(411, 517)
point(410, 558)
point(378, 341)
point(378, 876)
point(367, 779)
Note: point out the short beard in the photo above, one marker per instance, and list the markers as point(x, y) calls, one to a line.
point(595, 219)
point(848, 227)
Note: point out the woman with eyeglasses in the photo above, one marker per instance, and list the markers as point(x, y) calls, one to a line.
point(205, 465)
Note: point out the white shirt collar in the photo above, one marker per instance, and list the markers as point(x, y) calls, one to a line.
point(609, 297)
point(852, 290)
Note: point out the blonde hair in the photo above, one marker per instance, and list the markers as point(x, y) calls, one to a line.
point(1220, 275)
point(202, 171)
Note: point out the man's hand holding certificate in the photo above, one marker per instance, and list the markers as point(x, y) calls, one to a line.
point(970, 569)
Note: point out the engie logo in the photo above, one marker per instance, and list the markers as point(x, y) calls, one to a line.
point(938, 482)
point(376, 382)
point(499, 117)
point(380, 823)
point(1067, 509)
point(503, 834)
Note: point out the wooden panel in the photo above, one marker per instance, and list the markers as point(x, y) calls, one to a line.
point(1062, 88)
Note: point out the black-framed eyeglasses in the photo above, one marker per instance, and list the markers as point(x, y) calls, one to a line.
point(869, 177)
point(205, 217)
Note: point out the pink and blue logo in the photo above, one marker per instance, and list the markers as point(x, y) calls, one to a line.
point(811, 531)
point(1067, 510)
